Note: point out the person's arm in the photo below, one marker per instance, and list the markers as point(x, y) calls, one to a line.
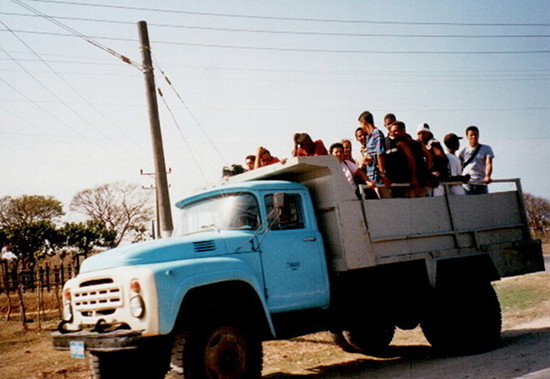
point(488, 169)
point(382, 169)
point(411, 164)
point(361, 174)
point(428, 156)
point(257, 162)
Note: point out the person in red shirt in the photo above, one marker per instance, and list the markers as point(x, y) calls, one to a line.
point(305, 146)
point(264, 158)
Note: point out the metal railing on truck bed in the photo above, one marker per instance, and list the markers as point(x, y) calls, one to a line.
point(365, 233)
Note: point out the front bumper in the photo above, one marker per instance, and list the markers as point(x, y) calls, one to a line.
point(116, 340)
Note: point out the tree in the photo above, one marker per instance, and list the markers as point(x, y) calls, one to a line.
point(85, 236)
point(124, 208)
point(31, 241)
point(28, 209)
point(538, 210)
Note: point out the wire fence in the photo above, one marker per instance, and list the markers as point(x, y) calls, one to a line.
point(45, 277)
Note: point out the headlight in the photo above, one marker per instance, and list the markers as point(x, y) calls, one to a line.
point(137, 306)
point(67, 308)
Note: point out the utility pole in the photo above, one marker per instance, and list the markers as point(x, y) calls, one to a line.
point(156, 223)
point(163, 197)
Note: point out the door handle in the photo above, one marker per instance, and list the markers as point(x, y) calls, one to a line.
point(310, 239)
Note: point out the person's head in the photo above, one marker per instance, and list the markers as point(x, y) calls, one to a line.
point(337, 150)
point(452, 141)
point(304, 141)
point(472, 135)
point(398, 130)
point(366, 119)
point(265, 156)
point(347, 147)
point(249, 162)
point(361, 136)
point(424, 133)
point(388, 120)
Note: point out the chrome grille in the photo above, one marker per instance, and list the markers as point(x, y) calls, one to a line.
point(98, 299)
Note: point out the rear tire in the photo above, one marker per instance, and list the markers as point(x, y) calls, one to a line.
point(464, 320)
point(217, 346)
point(369, 337)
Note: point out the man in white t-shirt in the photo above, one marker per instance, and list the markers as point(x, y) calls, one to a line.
point(350, 169)
point(452, 142)
point(477, 161)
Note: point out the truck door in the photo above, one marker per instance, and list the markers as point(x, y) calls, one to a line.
point(292, 253)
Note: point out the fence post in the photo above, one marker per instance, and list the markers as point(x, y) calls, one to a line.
point(62, 274)
point(48, 277)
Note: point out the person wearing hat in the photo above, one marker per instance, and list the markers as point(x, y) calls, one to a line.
point(452, 142)
point(477, 161)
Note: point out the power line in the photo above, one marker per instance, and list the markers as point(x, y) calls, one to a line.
point(78, 34)
point(408, 73)
point(82, 97)
point(195, 119)
point(298, 19)
point(299, 50)
point(176, 123)
point(290, 32)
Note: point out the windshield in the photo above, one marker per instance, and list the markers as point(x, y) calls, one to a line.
point(230, 211)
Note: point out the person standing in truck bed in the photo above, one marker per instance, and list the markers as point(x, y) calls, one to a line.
point(375, 150)
point(353, 173)
point(477, 161)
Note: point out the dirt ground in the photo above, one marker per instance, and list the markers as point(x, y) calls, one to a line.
point(524, 351)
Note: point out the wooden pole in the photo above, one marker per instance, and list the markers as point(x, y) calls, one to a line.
point(163, 197)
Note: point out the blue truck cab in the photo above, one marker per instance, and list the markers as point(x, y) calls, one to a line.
point(286, 250)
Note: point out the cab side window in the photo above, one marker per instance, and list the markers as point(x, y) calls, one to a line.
point(293, 214)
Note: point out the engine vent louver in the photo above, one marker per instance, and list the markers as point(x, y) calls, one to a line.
point(203, 246)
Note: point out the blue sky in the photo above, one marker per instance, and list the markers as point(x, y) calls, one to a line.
point(250, 73)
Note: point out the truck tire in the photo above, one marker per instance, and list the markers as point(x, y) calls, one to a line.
point(109, 365)
point(145, 362)
point(464, 320)
point(217, 346)
point(369, 337)
point(341, 342)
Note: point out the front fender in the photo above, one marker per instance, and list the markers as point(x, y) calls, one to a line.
point(175, 279)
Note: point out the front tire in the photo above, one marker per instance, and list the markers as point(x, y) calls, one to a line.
point(217, 347)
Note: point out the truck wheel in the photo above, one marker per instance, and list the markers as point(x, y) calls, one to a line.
point(369, 337)
point(145, 362)
point(464, 320)
point(109, 365)
point(341, 342)
point(217, 348)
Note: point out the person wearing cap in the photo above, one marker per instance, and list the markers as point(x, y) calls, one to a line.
point(477, 161)
point(374, 154)
point(452, 142)
point(424, 135)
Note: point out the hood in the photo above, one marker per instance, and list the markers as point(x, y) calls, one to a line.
point(194, 246)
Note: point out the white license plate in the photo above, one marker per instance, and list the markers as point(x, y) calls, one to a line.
point(77, 349)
